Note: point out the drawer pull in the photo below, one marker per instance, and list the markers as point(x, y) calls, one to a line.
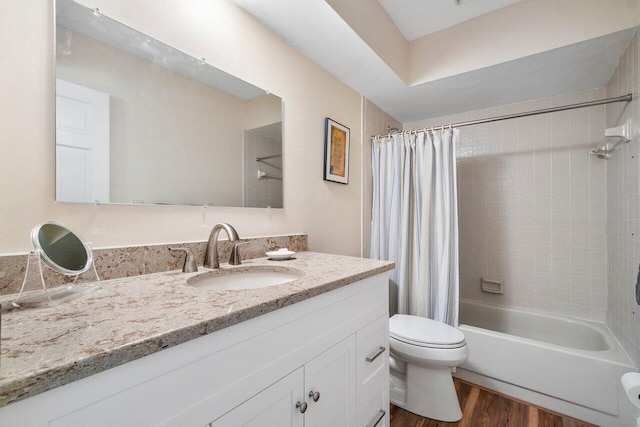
point(302, 407)
point(379, 418)
point(375, 356)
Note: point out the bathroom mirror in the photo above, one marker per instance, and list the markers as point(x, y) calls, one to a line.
point(140, 122)
point(61, 249)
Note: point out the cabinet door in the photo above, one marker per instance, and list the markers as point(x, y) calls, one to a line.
point(333, 376)
point(373, 354)
point(274, 406)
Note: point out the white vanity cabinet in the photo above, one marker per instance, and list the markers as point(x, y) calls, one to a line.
point(253, 373)
point(275, 406)
point(296, 400)
point(330, 387)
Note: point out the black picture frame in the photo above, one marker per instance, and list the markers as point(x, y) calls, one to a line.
point(337, 146)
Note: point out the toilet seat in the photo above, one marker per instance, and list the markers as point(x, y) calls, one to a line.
point(423, 332)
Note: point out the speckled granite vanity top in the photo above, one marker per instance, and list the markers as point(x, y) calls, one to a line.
point(133, 317)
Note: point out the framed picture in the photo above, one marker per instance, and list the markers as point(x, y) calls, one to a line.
point(336, 152)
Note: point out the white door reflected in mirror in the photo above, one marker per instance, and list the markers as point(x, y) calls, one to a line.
point(82, 144)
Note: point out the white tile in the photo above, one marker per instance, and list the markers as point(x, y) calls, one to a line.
point(542, 214)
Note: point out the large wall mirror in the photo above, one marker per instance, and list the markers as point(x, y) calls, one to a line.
point(140, 122)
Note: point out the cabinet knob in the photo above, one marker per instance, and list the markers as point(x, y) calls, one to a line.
point(302, 407)
point(315, 395)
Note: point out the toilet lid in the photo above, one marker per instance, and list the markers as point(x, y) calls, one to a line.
point(424, 332)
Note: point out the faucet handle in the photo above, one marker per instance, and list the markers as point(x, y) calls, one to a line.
point(190, 265)
point(234, 259)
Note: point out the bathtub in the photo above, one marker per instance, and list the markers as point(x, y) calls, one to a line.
point(569, 366)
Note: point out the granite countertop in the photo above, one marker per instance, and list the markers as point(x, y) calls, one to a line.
point(133, 317)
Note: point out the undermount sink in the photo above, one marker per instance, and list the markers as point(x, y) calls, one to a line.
point(253, 277)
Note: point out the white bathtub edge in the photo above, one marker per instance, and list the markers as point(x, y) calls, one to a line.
point(626, 415)
point(575, 379)
point(615, 354)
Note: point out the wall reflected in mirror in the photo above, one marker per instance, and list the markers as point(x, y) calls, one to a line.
point(140, 122)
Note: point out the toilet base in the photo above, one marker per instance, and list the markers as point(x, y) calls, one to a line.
point(426, 392)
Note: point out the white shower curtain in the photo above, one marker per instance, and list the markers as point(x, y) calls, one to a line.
point(415, 221)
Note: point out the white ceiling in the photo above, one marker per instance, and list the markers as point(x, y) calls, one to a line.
point(344, 54)
point(417, 18)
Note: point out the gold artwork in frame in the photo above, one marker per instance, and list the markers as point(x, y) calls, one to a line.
point(336, 152)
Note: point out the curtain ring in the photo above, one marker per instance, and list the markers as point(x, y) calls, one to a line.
point(450, 126)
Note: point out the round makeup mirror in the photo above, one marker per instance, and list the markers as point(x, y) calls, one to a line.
point(61, 249)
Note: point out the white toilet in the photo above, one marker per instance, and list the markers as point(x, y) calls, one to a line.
point(423, 352)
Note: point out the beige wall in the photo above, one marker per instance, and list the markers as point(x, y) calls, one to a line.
point(228, 39)
point(169, 134)
point(263, 110)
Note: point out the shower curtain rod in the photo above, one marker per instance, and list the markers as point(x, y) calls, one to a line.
point(625, 98)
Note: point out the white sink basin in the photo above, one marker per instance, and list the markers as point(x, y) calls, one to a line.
point(253, 277)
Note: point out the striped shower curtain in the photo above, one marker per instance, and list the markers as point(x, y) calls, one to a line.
point(415, 221)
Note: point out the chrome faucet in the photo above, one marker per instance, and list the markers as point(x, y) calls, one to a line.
point(211, 254)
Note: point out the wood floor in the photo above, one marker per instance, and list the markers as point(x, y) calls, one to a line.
point(484, 408)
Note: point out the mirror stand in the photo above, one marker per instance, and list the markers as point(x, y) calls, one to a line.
point(38, 294)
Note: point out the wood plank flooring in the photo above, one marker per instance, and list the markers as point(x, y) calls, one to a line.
point(484, 408)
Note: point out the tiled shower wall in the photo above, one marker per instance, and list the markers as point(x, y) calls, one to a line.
point(623, 202)
point(265, 192)
point(376, 122)
point(532, 207)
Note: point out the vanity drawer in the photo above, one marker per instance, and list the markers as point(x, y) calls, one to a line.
point(373, 353)
point(373, 407)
